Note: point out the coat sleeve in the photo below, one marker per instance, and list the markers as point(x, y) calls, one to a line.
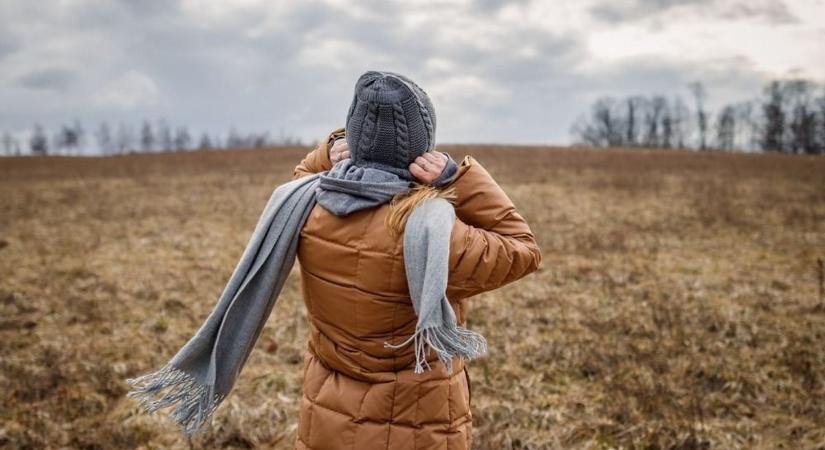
point(491, 244)
point(318, 159)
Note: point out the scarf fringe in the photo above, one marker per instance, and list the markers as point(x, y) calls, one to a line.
point(447, 342)
point(193, 402)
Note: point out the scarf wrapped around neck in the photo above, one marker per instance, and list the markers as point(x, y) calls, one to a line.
point(202, 373)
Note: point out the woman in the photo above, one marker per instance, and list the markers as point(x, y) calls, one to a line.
point(357, 392)
point(386, 268)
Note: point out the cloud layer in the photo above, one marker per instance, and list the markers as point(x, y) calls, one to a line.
point(515, 71)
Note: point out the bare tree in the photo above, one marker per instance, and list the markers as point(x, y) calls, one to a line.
point(802, 121)
point(726, 128)
point(680, 114)
point(773, 114)
point(68, 137)
point(667, 129)
point(821, 127)
point(699, 97)
point(260, 140)
point(38, 143)
point(234, 140)
point(182, 139)
point(653, 121)
point(633, 105)
point(601, 128)
point(205, 142)
point(747, 127)
point(667, 125)
point(606, 122)
point(147, 137)
point(104, 139)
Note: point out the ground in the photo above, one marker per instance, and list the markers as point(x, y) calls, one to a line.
point(678, 304)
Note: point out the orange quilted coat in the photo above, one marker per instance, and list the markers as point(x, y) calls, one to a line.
point(357, 394)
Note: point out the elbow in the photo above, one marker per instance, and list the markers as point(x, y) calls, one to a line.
point(532, 254)
point(535, 252)
point(527, 261)
point(532, 258)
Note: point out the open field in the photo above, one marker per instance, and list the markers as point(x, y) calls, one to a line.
point(677, 306)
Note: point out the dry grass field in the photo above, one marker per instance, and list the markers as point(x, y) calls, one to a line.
point(677, 306)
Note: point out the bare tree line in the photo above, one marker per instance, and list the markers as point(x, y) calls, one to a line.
point(73, 139)
point(789, 117)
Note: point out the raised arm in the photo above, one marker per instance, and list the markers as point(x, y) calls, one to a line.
point(318, 159)
point(491, 244)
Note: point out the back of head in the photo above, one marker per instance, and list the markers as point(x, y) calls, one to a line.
point(390, 123)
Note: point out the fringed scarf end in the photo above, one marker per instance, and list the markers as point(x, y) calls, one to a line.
point(193, 402)
point(447, 342)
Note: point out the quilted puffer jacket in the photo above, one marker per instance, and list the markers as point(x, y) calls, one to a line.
point(356, 393)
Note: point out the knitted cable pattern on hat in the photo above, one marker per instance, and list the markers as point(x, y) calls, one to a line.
point(427, 111)
point(390, 122)
point(402, 138)
point(366, 138)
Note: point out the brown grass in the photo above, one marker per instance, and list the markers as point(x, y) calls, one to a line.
point(677, 306)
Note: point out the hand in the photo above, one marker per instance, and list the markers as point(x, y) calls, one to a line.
point(339, 151)
point(427, 167)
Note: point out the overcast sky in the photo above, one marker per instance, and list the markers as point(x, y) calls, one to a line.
point(498, 71)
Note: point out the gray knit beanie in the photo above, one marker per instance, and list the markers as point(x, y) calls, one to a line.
point(391, 121)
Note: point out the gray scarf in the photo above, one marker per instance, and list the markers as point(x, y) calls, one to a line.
point(197, 379)
point(348, 188)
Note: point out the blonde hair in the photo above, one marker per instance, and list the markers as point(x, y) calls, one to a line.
point(403, 204)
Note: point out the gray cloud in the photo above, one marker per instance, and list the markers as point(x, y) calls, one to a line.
point(8, 44)
point(775, 12)
point(492, 6)
point(769, 11)
point(48, 79)
point(614, 13)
